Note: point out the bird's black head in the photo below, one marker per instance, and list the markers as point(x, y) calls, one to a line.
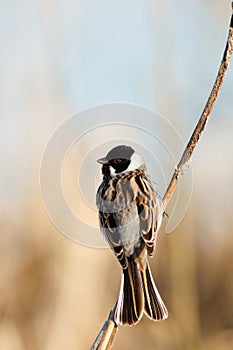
point(117, 160)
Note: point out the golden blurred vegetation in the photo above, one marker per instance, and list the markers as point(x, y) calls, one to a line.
point(56, 294)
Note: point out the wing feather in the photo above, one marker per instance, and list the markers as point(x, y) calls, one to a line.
point(149, 211)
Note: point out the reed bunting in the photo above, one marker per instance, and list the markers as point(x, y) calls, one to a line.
point(130, 214)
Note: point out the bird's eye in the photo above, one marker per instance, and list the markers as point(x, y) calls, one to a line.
point(117, 161)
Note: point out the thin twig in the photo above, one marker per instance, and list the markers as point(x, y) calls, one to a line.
point(107, 334)
point(186, 156)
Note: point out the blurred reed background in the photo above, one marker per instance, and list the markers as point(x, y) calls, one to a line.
point(58, 57)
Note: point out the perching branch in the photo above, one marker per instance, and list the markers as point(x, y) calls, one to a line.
point(106, 336)
point(186, 156)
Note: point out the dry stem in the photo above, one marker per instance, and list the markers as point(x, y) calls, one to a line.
point(106, 336)
point(186, 156)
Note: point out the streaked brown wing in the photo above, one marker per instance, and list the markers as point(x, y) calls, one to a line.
point(148, 212)
point(112, 200)
point(109, 229)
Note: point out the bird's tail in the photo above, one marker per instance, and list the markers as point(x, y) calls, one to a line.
point(138, 294)
point(154, 306)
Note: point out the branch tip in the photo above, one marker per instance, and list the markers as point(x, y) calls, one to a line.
point(186, 156)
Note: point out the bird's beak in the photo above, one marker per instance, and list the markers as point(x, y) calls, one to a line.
point(103, 161)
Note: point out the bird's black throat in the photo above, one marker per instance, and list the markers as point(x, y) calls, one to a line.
point(106, 172)
point(119, 167)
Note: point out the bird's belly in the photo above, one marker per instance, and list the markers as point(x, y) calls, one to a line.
point(128, 227)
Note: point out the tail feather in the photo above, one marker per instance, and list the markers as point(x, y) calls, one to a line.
point(138, 294)
point(130, 304)
point(154, 305)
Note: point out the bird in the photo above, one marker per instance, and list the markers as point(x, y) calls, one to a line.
point(130, 213)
